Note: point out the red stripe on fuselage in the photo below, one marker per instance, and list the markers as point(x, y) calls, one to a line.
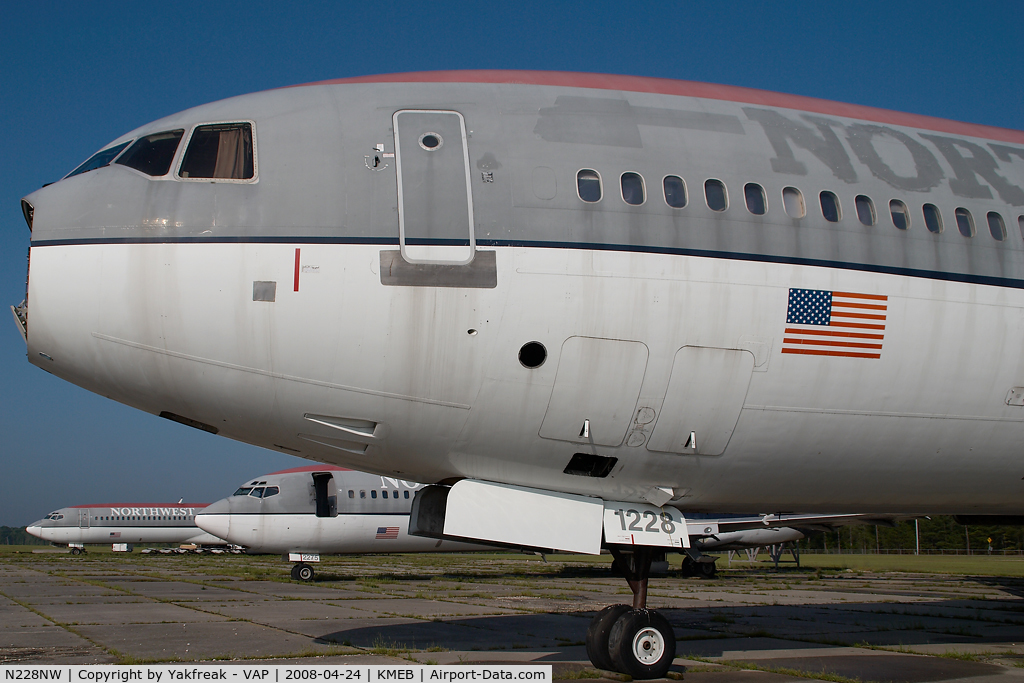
point(711, 91)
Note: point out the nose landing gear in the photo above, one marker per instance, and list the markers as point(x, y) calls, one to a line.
point(303, 572)
point(632, 640)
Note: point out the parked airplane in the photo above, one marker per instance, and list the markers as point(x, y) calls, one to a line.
point(81, 525)
point(565, 300)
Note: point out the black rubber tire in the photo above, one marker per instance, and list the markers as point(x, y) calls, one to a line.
point(304, 572)
point(76, 551)
point(642, 644)
point(687, 566)
point(708, 570)
point(597, 636)
point(295, 572)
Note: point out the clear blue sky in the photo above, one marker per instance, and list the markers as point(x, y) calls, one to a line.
point(75, 75)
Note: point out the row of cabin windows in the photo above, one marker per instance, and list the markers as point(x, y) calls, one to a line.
point(151, 519)
point(221, 151)
point(373, 494)
point(716, 195)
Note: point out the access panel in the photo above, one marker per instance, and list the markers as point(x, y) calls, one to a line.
point(596, 388)
point(702, 404)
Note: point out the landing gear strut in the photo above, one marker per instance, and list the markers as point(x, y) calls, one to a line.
point(632, 640)
point(303, 572)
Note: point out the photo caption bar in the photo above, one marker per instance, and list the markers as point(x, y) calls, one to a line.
point(277, 673)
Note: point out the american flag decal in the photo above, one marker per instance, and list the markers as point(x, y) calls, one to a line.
point(823, 323)
point(387, 532)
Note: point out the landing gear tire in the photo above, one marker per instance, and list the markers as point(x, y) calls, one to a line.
point(707, 570)
point(642, 644)
point(303, 572)
point(76, 551)
point(598, 634)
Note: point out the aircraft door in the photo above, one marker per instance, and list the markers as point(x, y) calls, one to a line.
point(435, 198)
point(705, 394)
point(596, 388)
point(83, 519)
point(326, 494)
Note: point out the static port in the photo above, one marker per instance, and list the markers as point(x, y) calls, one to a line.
point(533, 354)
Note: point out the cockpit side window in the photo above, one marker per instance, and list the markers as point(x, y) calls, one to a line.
point(257, 492)
point(222, 150)
point(243, 491)
point(271, 491)
point(99, 159)
point(152, 154)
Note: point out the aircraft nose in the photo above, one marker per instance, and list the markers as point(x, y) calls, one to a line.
point(36, 529)
point(215, 519)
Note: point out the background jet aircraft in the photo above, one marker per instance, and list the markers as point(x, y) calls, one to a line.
point(80, 525)
point(575, 304)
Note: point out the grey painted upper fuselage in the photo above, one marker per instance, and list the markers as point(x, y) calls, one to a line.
point(526, 145)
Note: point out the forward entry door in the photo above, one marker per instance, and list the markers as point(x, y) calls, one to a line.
point(83, 519)
point(435, 200)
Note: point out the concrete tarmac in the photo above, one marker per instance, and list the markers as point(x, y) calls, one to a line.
point(747, 624)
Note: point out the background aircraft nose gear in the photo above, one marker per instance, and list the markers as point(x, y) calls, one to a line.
point(303, 572)
point(632, 640)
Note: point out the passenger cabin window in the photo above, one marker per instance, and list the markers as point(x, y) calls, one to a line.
point(351, 493)
point(715, 195)
point(675, 191)
point(757, 204)
point(271, 491)
point(373, 494)
point(243, 491)
point(220, 151)
point(99, 159)
point(1020, 225)
point(793, 201)
point(406, 494)
point(932, 218)
point(362, 494)
point(996, 226)
point(588, 185)
point(152, 154)
point(964, 222)
point(632, 185)
point(900, 215)
point(830, 206)
point(865, 210)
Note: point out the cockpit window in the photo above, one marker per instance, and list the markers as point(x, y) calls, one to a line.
point(271, 491)
point(257, 492)
point(99, 159)
point(223, 150)
point(243, 491)
point(152, 154)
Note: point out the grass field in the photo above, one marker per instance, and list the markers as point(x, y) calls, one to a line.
point(973, 565)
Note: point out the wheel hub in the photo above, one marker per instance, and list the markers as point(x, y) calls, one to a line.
point(648, 645)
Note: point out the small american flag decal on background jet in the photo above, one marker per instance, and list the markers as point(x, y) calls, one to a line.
point(387, 532)
point(824, 323)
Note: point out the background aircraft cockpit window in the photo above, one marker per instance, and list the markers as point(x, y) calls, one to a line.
point(588, 185)
point(632, 188)
point(900, 215)
point(830, 206)
point(996, 226)
point(715, 195)
point(152, 154)
point(754, 196)
point(223, 151)
point(932, 218)
point(793, 201)
point(243, 491)
point(271, 491)
point(964, 222)
point(865, 210)
point(257, 492)
point(99, 159)
point(675, 191)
